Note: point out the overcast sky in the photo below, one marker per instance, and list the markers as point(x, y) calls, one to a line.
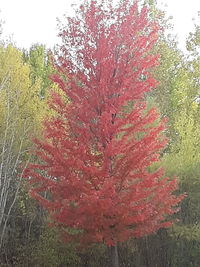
point(34, 21)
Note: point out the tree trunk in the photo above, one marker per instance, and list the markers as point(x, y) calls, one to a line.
point(114, 256)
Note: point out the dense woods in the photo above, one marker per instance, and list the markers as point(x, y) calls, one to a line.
point(88, 134)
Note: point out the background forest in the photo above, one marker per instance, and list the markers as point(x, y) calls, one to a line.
point(25, 238)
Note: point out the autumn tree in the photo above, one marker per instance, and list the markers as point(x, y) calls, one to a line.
point(94, 174)
point(21, 112)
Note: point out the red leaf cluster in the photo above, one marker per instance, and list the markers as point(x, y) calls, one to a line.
point(98, 149)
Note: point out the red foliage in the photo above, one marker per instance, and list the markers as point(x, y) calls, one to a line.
point(98, 149)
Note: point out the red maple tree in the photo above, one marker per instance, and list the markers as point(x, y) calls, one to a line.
point(97, 151)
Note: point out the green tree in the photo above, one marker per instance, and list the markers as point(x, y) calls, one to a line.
point(39, 60)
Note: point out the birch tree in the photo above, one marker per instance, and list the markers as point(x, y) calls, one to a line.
point(20, 114)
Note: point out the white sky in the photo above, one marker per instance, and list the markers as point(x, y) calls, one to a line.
point(34, 21)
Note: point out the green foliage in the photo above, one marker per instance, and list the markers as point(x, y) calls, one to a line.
point(50, 251)
point(41, 67)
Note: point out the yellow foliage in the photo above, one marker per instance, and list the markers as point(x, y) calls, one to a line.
point(20, 104)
